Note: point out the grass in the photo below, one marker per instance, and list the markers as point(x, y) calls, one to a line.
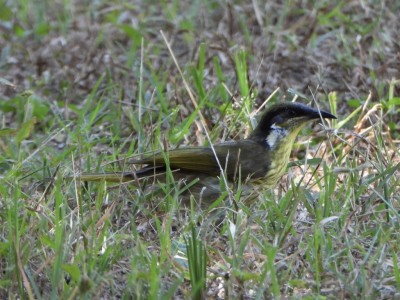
point(83, 91)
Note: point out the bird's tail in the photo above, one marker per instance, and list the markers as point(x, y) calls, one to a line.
point(117, 177)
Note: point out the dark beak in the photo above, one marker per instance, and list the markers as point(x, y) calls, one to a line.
point(320, 113)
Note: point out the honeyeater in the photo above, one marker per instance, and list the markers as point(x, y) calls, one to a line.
point(260, 159)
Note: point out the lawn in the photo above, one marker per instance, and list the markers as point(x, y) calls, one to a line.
point(86, 85)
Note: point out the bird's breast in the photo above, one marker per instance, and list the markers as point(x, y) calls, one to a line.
point(279, 155)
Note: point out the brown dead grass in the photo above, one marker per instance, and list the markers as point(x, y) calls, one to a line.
point(286, 49)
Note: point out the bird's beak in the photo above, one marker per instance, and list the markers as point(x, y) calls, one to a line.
point(324, 115)
point(314, 114)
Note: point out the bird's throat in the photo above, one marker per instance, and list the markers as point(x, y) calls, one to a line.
point(280, 143)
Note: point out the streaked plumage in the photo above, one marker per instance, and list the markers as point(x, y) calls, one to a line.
point(259, 159)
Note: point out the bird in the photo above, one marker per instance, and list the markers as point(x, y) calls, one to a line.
point(258, 160)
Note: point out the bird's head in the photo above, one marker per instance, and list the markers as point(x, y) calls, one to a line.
point(283, 121)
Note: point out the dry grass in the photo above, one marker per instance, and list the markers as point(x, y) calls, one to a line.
point(82, 87)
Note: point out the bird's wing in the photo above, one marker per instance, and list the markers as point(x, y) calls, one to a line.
point(253, 158)
point(197, 159)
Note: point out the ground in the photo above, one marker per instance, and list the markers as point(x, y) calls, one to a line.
point(85, 85)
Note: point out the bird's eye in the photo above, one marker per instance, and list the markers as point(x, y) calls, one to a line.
point(278, 119)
